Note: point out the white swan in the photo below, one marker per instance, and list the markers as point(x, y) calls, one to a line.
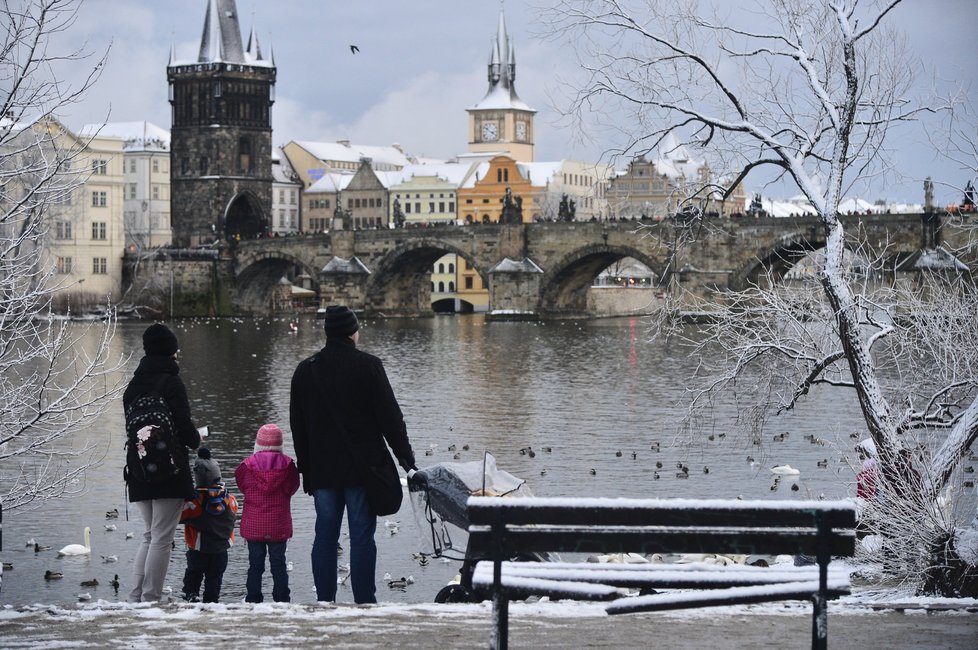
point(78, 549)
point(784, 469)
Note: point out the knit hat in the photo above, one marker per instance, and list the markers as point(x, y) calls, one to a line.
point(340, 321)
point(206, 470)
point(269, 438)
point(158, 340)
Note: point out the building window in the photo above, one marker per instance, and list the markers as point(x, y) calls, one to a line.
point(451, 267)
point(130, 191)
point(156, 192)
point(292, 197)
point(451, 206)
point(100, 265)
point(244, 155)
point(407, 208)
point(451, 287)
point(441, 267)
point(98, 230)
point(98, 199)
point(156, 165)
point(468, 282)
point(441, 206)
point(281, 196)
point(431, 207)
point(100, 167)
point(417, 207)
point(132, 165)
point(64, 265)
point(63, 230)
point(441, 287)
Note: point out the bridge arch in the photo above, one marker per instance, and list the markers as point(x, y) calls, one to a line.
point(778, 257)
point(244, 217)
point(259, 273)
point(400, 285)
point(564, 287)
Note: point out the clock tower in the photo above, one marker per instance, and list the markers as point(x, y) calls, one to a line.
point(501, 122)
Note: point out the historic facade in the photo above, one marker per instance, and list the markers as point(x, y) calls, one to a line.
point(221, 136)
point(501, 122)
point(146, 177)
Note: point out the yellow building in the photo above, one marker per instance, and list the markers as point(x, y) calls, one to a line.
point(483, 193)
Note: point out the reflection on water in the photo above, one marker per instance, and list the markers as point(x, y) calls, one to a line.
point(591, 399)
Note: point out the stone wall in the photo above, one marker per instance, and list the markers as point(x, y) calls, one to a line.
point(180, 283)
point(603, 302)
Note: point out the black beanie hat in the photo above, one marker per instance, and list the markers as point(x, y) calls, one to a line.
point(158, 340)
point(340, 321)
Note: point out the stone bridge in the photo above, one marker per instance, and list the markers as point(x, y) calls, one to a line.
point(544, 270)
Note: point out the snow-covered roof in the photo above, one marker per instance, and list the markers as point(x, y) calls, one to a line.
point(478, 173)
point(451, 173)
point(540, 173)
point(342, 265)
point(508, 265)
point(780, 209)
point(136, 136)
point(502, 98)
point(850, 204)
point(345, 151)
point(932, 259)
point(332, 182)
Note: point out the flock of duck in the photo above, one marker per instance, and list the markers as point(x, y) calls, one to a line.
point(76, 550)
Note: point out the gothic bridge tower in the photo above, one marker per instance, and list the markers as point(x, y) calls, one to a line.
point(221, 134)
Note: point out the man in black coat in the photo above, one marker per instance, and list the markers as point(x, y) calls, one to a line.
point(160, 503)
point(342, 410)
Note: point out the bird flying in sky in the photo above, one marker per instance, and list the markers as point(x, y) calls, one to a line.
point(354, 49)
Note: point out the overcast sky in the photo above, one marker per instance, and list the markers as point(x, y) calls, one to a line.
point(420, 65)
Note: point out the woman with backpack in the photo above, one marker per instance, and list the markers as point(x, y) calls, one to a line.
point(159, 435)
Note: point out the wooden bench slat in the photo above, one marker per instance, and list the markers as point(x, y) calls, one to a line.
point(664, 576)
point(540, 539)
point(721, 597)
point(658, 512)
point(524, 586)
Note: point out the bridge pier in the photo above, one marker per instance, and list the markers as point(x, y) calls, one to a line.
point(344, 282)
point(514, 290)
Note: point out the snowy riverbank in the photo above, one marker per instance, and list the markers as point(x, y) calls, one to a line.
point(861, 621)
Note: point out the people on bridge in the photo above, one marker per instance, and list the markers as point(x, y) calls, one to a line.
point(342, 411)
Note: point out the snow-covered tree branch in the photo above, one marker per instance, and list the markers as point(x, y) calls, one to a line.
point(55, 376)
point(811, 91)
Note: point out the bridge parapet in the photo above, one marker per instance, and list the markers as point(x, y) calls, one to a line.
point(558, 261)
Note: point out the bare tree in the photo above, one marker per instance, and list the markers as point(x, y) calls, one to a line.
point(808, 90)
point(55, 376)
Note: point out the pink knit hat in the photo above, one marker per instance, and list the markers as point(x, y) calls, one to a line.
point(269, 438)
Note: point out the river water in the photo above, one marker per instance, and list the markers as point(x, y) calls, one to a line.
point(596, 393)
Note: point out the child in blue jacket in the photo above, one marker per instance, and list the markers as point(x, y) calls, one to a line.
point(208, 530)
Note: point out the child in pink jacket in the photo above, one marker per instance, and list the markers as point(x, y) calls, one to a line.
point(267, 479)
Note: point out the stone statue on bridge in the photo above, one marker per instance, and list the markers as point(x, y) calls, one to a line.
point(341, 217)
point(567, 209)
point(399, 217)
point(512, 209)
point(928, 195)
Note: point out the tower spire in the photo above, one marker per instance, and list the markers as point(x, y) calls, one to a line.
point(221, 40)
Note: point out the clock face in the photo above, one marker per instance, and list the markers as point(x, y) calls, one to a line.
point(489, 132)
point(521, 130)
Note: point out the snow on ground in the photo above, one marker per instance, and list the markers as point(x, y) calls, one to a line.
point(852, 623)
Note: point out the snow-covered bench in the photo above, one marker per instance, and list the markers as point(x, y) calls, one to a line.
point(501, 529)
